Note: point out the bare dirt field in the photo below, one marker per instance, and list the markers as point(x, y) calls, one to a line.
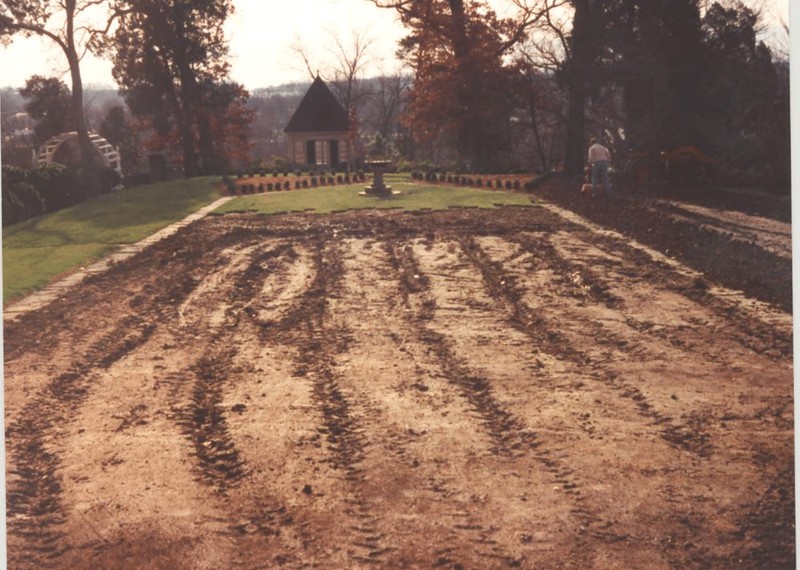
point(462, 390)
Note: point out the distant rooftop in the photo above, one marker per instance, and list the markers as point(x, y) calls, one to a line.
point(319, 111)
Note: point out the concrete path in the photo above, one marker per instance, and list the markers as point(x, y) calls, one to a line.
point(58, 289)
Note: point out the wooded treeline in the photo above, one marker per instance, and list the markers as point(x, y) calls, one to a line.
point(479, 92)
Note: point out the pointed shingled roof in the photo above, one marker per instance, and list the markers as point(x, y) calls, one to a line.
point(319, 111)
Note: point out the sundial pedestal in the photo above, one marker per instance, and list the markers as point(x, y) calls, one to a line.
point(378, 188)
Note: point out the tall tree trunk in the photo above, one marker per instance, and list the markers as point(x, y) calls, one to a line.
point(190, 163)
point(537, 136)
point(578, 76)
point(573, 158)
point(466, 128)
point(205, 141)
point(189, 92)
point(89, 157)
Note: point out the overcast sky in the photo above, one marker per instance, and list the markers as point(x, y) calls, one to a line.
point(261, 33)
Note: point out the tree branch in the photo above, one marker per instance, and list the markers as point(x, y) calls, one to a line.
point(36, 30)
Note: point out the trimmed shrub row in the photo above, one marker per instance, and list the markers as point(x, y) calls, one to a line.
point(263, 173)
point(469, 180)
point(480, 181)
point(233, 187)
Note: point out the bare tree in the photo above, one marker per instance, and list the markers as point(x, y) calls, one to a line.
point(343, 69)
point(300, 51)
point(351, 58)
point(388, 101)
point(66, 24)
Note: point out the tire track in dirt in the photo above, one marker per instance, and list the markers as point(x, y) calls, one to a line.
point(506, 430)
point(479, 530)
point(754, 315)
point(509, 433)
point(316, 343)
point(593, 293)
point(688, 338)
point(739, 266)
point(62, 332)
point(720, 376)
point(262, 516)
point(204, 419)
point(771, 525)
point(688, 334)
point(542, 331)
point(103, 293)
point(764, 334)
point(610, 537)
point(205, 424)
point(33, 487)
point(180, 399)
point(403, 395)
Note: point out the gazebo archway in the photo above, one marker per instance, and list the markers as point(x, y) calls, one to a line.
point(108, 153)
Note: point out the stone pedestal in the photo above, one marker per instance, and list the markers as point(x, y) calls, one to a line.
point(378, 188)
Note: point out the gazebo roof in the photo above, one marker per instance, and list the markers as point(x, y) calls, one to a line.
point(319, 111)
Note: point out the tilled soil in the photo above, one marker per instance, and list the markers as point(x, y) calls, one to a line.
point(467, 389)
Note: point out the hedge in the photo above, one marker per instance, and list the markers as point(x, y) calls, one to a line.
point(30, 193)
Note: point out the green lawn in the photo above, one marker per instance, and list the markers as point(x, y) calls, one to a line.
point(328, 199)
point(39, 250)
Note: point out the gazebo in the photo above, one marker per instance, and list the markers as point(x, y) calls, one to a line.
point(319, 129)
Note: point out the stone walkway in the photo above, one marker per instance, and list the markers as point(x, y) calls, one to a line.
point(60, 288)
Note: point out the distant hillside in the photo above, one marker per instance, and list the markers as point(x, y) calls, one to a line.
point(11, 101)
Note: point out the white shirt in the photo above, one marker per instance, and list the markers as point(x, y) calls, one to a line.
point(598, 152)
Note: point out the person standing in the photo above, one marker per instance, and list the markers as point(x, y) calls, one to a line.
point(599, 159)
